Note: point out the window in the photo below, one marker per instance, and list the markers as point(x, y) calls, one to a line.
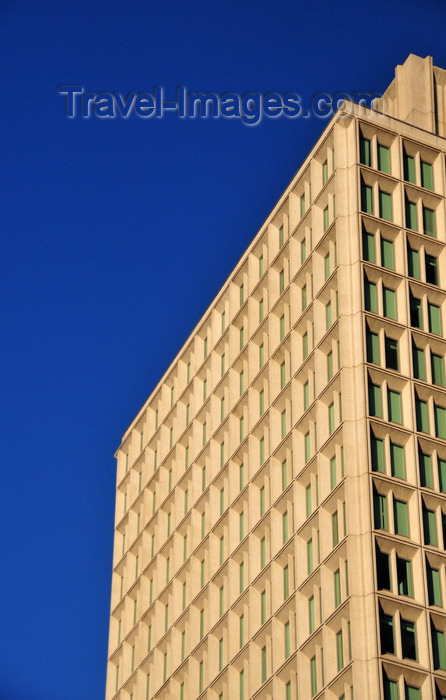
point(262, 500)
point(391, 349)
point(328, 320)
point(261, 356)
point(416, 312)
point(241, 630)
point(287, 639)
point(422, 415)
point(326, 218)
point(311, 620)
point(335, 528)
point(385, 205)
point(429, 527)
point(411, 215)
point(307, 441)
point(286, 582)
point(305, 345)
point(242, 382)
point(313, 676)
point(438, 648)
point(324, 172)
point(331, 418)
point(401, 518)
point(370, 298)
point(261, 402)
point(375, 401)
point(242, 337)
point(372, 347)
point(434, 315)
point(261, 266)
point(419, 370)
point(440, 421)
point(281, 281)
point(304, 297)
point(303, 251)
point(409, 168)
point(366, 198)
point(282, 327)
point(263, 607)
point(368, 246)
point(242, 294)
point(413, 262)
point(386, 634)
point(261, 310)
point(308, 500)
point(394, 406)
point(329, 366)
point(241, 476)
point(387, 257)
point(262, 553)
point(365, 152)
point(309, 556)
point(223, 364)
point(302, 205)
point(431, 264)
point(333, 474)
point(220, 654)
point(282, 375)
point(377, 452)
point(404, 576)
point(339, 650)
point(437, 365)
point(337, 587)
point(281, 237)
point(241, 526)
point(242, 685)
point(383, 158)
point(285, 527)
point(434, 586)
point(327, 266)
point(427, 176)
point(389, 303)
point(397, 461)
point(383, 570)
point(242, 577)
point(380, 512)
point(284, 475)
point(408, 639)
point(390, 689)
point(429, 228)
point(425, 467)
point(264, 664)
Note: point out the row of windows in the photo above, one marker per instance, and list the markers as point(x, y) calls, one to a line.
point(391, 409)
point(377, 155)
point(398, 636)
point(388, 457)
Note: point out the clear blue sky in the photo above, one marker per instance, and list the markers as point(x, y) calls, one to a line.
point(115, 236)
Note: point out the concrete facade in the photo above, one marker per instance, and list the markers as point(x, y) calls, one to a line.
point(281, 496)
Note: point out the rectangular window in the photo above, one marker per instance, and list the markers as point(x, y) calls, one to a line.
point(222, 408)
point(304, 297)
point(442, 473)
point(404, 576)
point(241, 429)
point(370, 297)
point(242, 382)
point(401, 518)
point(416, 312)
point(311, 619)
point(391, 350)
point(261, 266)
point(375, 401)
point(262, 553)
point(425, 465)
point(411, 215)
point(326, 219)
point(394, 406)
point(285, 527)
point(281, 237)
point(437, 363)
point(335, 528)
point(242, 685)
point(413, 263)
point(223, 364)
point(422, 415)
point(377, 452)
point(408, 639)
point(331, 418)
point(262, 450)
point(419, 368)
point(263, 607)
point(364, 152)
point(434, 315)
point(440, 421)
point(287, 639)
point(307, 441)
point(368, 246)
point(281, 281)
point(283, 430)
point(337, 587)
point(302, 205)
point(383, 570)
point(328, 316)
point(333, 473)
point(241, 479)
point(389, 303)
point(241, 526)
point(324, 172)
point(409, 168)
point(309, 556)
point(282, 375)
point(329, 366)
point(242, 577)
point(303, 251)
point(284, 475)
point(308, 500)
point(431, 265)
point(200, 677)
point(429, 228)
point(385, 206)
point(261, 402)
point(397, 461)
point(327, 266)
point(339, 650)
point(261, 310)
point(372, 347)
point(282, 327)
point(242, 294)
point(366, 198)
point(242, 337)
point(383, 159)
point(386, 634)
point(313, 676)
point(429, 527)
point(221, 600)
point(286, 582)
point(220, 654)
point(427, 175)
point(438, 649)
point(242, 630)
point(387, 257)
point(390, 689)
point(222, 501)
point(305, 345)
point(264, 673)
point(434, 586)
point(262, 500)
point(380, 512)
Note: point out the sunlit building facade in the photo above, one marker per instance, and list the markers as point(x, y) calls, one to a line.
point(281, 496)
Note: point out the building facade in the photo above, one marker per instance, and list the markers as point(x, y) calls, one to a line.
point(281, 496)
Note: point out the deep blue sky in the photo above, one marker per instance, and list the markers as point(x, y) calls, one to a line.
point(115, 236)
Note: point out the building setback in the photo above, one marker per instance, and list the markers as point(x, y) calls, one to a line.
point(281, 496)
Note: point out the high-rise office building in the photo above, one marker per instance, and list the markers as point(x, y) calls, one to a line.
point(281, 496)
